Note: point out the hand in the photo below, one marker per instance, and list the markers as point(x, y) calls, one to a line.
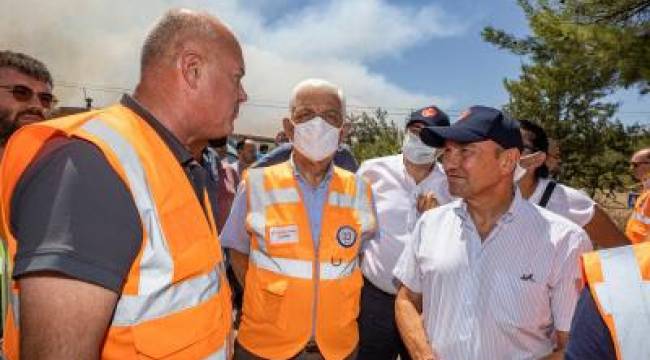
point(426, 201)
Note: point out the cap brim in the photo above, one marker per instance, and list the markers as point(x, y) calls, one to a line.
point(435, 136)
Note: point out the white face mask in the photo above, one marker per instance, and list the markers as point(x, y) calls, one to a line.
point(416, 151)
point(519, 173)
point(315, 138)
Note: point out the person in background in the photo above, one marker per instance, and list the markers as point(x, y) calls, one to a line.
point(25, 97)
point(25, 93)
point(109, 214)
point(281, 137)
point(490, 275)
point(405, 186)
point(264, 149)
point(295, 234)
point(575, 205)
point(639, 222)
point(246, 155)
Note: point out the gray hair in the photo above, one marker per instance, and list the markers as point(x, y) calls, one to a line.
point(166, 38)
point(317, 84)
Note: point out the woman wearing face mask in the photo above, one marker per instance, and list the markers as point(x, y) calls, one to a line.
point(405, 185)
point(571, 203)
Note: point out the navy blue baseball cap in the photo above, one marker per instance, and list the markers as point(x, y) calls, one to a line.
point(478, 123)
point(429, 116)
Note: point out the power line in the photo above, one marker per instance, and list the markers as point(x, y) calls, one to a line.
point(282, 104)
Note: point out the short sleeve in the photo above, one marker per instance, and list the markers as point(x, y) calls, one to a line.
point(581, 207)
point(234, 234)
point(407, 270)
point(566, 277)
point(72, 214)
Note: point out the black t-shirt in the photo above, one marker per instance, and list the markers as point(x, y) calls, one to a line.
point(72, 214)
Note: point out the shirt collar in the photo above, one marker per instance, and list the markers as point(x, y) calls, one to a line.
point(301, 178)
point(460, 208)
point(180, 152)
point(436, 170)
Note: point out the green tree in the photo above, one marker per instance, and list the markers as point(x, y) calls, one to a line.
point(374, 135)
point(563, 87)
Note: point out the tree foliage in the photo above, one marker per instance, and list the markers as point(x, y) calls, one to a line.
point(564, 85)
point(374, 135)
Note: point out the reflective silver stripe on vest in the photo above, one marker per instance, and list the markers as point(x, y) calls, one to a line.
point(134, 309)
point(640, 217)
point(220, 354)
point(302, 269)
point(156, 264)
point(626, 296)
point(157, 295)
point(340, 200)
point(256, 212)
point(14, 302)
point(363, 207)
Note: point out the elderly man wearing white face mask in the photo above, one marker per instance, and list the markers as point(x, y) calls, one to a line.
point(405, 186)
point(295, 231)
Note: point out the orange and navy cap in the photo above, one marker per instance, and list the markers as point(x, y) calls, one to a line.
point(429, 116)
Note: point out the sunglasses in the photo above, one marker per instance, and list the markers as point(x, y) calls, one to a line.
point(637, 164)
point(23, 93)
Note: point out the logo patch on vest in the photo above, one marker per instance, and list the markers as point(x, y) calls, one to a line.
point(283, 234)
point(346, 236)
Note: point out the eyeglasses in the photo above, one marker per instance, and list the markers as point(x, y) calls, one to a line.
point(638, 163)
point(23, 93)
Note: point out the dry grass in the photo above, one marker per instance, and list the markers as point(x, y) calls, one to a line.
point(616, 207)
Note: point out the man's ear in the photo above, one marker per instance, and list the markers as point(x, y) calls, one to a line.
point(288, 128)
point(510, 158)
point(191, 66)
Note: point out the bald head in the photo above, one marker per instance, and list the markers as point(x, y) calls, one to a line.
point(640, 163)
point(176, 30)
point(643, 155)
point(198, 62)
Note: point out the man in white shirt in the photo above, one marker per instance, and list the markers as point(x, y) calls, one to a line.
point(490, 275)
point(404, 186)
point(561, 199)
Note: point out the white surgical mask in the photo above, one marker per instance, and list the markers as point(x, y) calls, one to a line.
point(316, 139)
point(416, 151)
point(519, 173)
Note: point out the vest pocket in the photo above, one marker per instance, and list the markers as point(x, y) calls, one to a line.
point(272, 296)
point(172, 335)
point(351, 297)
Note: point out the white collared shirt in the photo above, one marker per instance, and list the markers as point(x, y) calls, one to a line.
point(501, 298)
point(571, 203)
point(395, 194)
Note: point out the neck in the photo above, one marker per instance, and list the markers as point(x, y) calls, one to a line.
point(487, 208)
point(418, 172)
point(527, 185)
point(313, 172)
point(162, 105)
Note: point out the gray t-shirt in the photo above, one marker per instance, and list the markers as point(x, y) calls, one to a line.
point(72, 214)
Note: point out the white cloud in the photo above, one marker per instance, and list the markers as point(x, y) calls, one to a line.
point(97, 43)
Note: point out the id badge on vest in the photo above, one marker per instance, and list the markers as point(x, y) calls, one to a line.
point(279, 235)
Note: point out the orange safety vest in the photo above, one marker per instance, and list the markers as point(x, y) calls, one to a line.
point(637, 226)
point(175, 303)
point(295, 292)
point(619, 281)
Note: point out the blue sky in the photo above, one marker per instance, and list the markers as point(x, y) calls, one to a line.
point(472, 71)
point(400, 55)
